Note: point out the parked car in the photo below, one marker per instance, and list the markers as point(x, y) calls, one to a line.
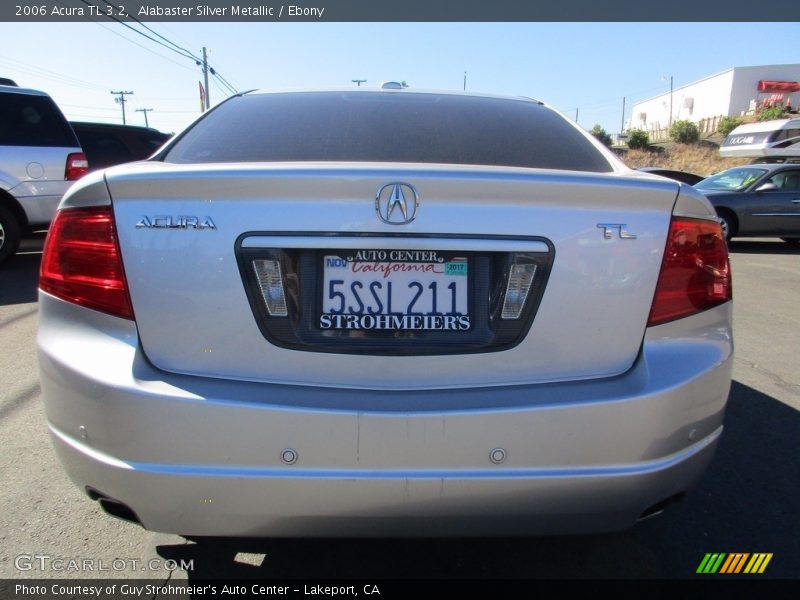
point(384, 312)
point(682, 176)
point(760, 200)
point(775, 139)
point(39, 159)
point(107, 144)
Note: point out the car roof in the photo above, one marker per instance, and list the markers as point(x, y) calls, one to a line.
point(663, 169)
point(114, 127)
point(365, 90)
point(12, 89)
point(763, 126)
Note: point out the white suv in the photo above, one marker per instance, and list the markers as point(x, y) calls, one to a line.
point(39, 159)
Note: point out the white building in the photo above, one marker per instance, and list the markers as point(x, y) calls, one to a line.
point(731, 93)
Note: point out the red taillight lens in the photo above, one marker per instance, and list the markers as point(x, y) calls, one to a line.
point(695, 273)
point(77, 166)
point(81, 261)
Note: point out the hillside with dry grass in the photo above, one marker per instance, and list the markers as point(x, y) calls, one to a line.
point(701, 158)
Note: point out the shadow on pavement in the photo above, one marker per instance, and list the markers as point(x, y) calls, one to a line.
point(20, 273)
point(748, 501)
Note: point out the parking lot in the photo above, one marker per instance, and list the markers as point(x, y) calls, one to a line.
point(748, 501)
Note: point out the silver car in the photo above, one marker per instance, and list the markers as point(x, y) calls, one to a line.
point(39, 159)
point(387, 312)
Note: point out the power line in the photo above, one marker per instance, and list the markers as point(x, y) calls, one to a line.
point(46, 74)
point(124, 24)
point(88, 107)
point(127, 39)
point(225, 81)
point(230, 89)
point(219, 86)
point(180, 50)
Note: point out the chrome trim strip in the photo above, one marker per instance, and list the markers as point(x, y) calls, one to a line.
point(392, 243)
point(776, 214)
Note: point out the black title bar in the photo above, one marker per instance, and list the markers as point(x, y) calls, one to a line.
point(393, 10)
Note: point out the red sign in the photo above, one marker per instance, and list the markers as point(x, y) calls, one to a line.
point(778, 86)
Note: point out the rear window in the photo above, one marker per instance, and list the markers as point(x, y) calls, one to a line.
point(27, 120)
point(387, 127)
point(731, 180)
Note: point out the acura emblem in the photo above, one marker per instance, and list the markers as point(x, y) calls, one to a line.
point(397, 203)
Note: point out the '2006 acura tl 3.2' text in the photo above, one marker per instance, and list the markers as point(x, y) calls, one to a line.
point(384, 312)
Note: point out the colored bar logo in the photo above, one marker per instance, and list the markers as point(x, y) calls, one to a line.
point(734, 563)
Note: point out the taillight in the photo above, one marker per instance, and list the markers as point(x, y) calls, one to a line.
point(77, 166)
point(81, 261)
point(695, 273)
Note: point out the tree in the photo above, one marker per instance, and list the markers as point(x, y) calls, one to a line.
point(684, 132)
point(638, 138)
point(728, 124)
point(601, 134)
point(771, 113)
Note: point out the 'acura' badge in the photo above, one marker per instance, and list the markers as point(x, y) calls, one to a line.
point(397, 203)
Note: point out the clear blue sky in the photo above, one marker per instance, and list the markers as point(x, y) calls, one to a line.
point(589, 66)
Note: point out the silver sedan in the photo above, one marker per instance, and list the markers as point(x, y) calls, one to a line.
point(384, 312)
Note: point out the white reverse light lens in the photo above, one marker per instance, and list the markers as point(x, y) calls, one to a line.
point(269, 277)
point(519, 284)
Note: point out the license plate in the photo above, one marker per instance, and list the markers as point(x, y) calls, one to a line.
point(400, 290)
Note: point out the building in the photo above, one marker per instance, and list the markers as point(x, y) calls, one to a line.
point(732, 93)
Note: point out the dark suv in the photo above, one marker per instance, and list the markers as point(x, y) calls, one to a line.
point(106, 144)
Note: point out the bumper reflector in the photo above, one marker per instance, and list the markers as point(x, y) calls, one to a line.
point(268, 273)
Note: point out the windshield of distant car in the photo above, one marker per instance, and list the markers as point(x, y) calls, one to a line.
point(732, 180)
point(398, 127)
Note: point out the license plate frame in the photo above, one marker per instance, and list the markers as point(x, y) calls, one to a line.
point(394, 291)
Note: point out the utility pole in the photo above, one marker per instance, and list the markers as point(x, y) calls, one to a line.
point(145, 111)
point(359, 81)
point(670, 101)
point(121, 101)
point(205, 77)
point(465, 81)
point(576, 115)
point(622, 124)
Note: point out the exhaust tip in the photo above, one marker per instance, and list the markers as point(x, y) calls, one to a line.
point(659, 507)
point(113, 507)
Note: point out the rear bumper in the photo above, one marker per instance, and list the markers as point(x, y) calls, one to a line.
point(199, 456)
